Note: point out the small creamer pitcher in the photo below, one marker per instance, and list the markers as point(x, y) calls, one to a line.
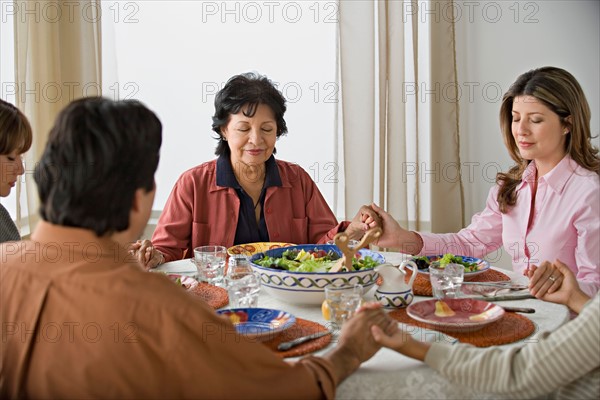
point(394, 292)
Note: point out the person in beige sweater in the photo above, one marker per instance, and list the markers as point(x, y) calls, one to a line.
point(562, 364)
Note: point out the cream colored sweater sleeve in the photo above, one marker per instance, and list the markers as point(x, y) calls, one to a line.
point(565, 362)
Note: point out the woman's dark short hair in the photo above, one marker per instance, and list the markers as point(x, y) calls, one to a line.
point(246, 89)
point(98, 154)
point(15, 131)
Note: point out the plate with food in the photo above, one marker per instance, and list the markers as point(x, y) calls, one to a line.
point(214, 296)
point(249, 249)
point(299, 274)
point(473, 266)
point(315, 258)
point(186, 282)
point(455, 315)
point(261, 324)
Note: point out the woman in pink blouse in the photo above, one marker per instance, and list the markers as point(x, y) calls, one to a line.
point(546, 209)
point(246, 195)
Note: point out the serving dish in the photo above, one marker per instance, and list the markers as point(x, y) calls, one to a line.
point(309, 287)
point(249, 249)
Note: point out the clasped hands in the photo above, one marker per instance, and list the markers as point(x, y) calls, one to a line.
point(146, 255)
point(546, 280)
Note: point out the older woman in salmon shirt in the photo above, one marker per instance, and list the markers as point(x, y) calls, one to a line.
point(246, 195)
point(546, 209)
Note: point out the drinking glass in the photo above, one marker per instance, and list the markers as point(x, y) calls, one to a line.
point(210, 261)
point(342, 301)
point(446, 280)
point(243, 288)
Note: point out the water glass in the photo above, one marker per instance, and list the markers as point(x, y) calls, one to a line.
point(446, 280)
point(210, 261)
point(238, 263)
point(243, 288)
point(342, 301)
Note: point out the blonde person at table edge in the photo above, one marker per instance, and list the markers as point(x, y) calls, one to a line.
point(545, 209)
point(246, 195)
point(560, 364)
point(81, 319)
point(15, 139)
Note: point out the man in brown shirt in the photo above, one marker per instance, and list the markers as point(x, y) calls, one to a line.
point(80, 318)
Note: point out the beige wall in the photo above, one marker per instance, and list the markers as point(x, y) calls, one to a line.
point(495, 44)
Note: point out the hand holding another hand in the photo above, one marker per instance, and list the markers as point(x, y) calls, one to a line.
point(366, 218)
point(555, 282)
point(146, 254)
point(356, 344)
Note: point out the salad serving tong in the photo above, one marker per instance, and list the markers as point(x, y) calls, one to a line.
point(342, 242)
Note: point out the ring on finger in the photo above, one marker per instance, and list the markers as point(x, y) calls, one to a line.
point(551, 278)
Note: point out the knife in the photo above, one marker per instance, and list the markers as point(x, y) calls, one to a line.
point(519, 309)
point(288, 345)
point(503, 298)
point(501, 285)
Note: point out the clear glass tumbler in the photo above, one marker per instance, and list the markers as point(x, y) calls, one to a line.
point(446, 280)
point(210, 261)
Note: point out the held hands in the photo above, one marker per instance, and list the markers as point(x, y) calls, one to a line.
point(365, 219)
point(356, 337)
point(146, 254)
point(555, 282)
point(395, 236)
point(402, 342)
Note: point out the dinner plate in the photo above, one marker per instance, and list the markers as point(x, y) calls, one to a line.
point(261, 324)
point(214, 296)
point(249, 249)
point(188, 283)
point(456, 315)
point(482, 265)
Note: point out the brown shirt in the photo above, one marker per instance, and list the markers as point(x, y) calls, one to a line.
point(80, 319)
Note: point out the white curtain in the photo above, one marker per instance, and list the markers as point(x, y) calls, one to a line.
point(395, 141)
point(57, 59)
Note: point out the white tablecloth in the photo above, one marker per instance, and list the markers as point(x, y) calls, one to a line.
point(389, 375)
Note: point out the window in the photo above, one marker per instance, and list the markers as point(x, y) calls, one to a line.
point(175, 55)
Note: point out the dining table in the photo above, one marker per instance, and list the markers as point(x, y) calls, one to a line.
point(388, 374)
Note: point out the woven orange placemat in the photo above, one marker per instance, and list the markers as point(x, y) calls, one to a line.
point(508, 329)
point(215, 296)
point(422, 285)
point(302, 327)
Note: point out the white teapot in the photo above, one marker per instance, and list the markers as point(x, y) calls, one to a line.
point(394, 292)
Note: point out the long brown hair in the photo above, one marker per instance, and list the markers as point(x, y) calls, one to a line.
point(15, 131)
point(561, 93)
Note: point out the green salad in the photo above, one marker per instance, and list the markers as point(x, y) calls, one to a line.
point(448, 258)
point(312, 261)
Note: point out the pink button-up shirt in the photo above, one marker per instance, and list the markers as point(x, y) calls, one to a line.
point(565, 225)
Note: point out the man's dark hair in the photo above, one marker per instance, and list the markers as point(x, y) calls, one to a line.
point(249, 90)
point(98, 154)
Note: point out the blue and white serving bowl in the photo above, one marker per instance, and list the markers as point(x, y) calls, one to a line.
point(309, 287)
